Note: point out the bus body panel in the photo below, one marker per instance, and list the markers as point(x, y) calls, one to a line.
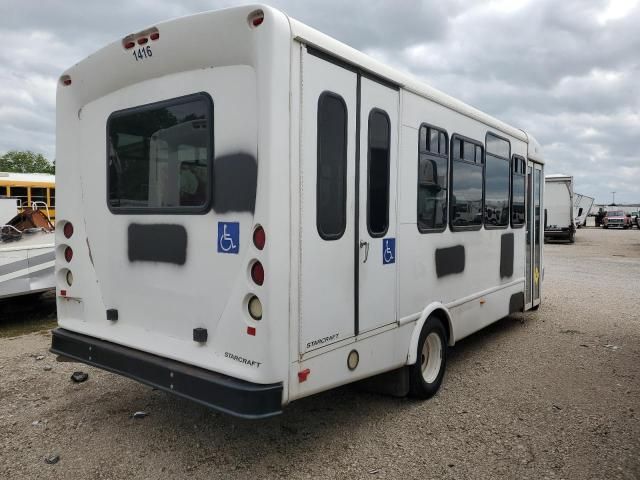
point(158, 303)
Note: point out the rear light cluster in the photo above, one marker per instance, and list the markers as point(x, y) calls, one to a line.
point(254, 305)
point(141, 38)
point(67, 232)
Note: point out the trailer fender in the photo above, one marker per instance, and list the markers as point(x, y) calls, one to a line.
point(438, 307)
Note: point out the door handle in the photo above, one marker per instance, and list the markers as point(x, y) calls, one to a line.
point(366, 249)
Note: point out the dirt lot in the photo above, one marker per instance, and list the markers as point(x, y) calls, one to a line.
point(549, 394)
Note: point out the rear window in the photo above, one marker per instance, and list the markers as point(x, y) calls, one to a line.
point(159, 157)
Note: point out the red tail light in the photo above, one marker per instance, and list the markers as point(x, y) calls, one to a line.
point(257, 21)
point(68, 230)
point(257, 273)
point(68, 254)
point(259, 237)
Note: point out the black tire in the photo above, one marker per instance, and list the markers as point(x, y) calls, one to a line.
point(426, 385)
point(572, 237)
point(535, 307)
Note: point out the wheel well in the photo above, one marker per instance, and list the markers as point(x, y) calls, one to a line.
point(446, 323)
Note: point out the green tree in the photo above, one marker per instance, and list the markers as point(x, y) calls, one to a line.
point(26, 162)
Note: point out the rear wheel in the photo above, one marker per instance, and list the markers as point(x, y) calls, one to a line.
point(427, 373)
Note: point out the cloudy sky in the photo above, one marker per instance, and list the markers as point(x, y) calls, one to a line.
point(568, 71)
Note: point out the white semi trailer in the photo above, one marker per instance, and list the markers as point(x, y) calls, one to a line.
point(559, 220)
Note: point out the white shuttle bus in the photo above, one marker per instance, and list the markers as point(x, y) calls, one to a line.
point(257, 212)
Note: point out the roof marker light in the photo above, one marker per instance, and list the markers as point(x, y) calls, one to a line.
point(255, 18)
point(129, 44)
point(142, 40)
point(154, 36)
point(65, 80)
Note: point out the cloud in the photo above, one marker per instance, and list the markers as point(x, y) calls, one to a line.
point(565, 71)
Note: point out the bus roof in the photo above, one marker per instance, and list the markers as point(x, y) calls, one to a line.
point(8, 177)
point(102, 81)
point(321, 41)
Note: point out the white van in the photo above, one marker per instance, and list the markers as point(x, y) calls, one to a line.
point(258, 212)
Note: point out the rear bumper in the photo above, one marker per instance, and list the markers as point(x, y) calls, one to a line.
point(215, 390)
point(564, 233)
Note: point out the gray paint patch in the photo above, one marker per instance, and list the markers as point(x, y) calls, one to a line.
point(506, 255)
point(450, 260)
point(26, 283)
point(26, 263)
point(236, 180)
point(516, 302)
point(157, 242)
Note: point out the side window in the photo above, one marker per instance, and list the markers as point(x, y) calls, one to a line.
point(331, 190)
point(21, 193)
point(496, 183)
point(378, 174)
point(465, 211)
point(432, 179)
point(518, 183)
point(38, 194)
point(3, 191)
point(52, 197)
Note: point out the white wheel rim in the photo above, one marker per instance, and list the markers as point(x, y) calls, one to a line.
point(431, 357)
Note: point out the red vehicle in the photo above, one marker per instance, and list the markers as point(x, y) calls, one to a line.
point(616, 218)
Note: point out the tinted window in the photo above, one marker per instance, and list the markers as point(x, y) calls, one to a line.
point(331, 205)
point(498, 146)
point(52, 197)
point(21, 194)
point(38, 194)
point(496, 187)
point(517, 191)
point(466, 184)
point(160, 156)
point(378, 185)
point(3, 191)
point(432, 179)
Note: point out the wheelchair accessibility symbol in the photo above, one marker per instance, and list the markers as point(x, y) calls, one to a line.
point(388, 251)
point(228, 237)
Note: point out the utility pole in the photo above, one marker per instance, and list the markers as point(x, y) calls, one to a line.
point(614, 198)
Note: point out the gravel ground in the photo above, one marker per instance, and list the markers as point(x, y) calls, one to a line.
point(548, 394)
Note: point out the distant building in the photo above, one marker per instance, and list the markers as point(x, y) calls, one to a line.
point(631, 208)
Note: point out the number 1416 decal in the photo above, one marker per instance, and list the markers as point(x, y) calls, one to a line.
point(142, 53)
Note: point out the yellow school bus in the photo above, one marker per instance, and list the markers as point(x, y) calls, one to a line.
point(32, 190)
